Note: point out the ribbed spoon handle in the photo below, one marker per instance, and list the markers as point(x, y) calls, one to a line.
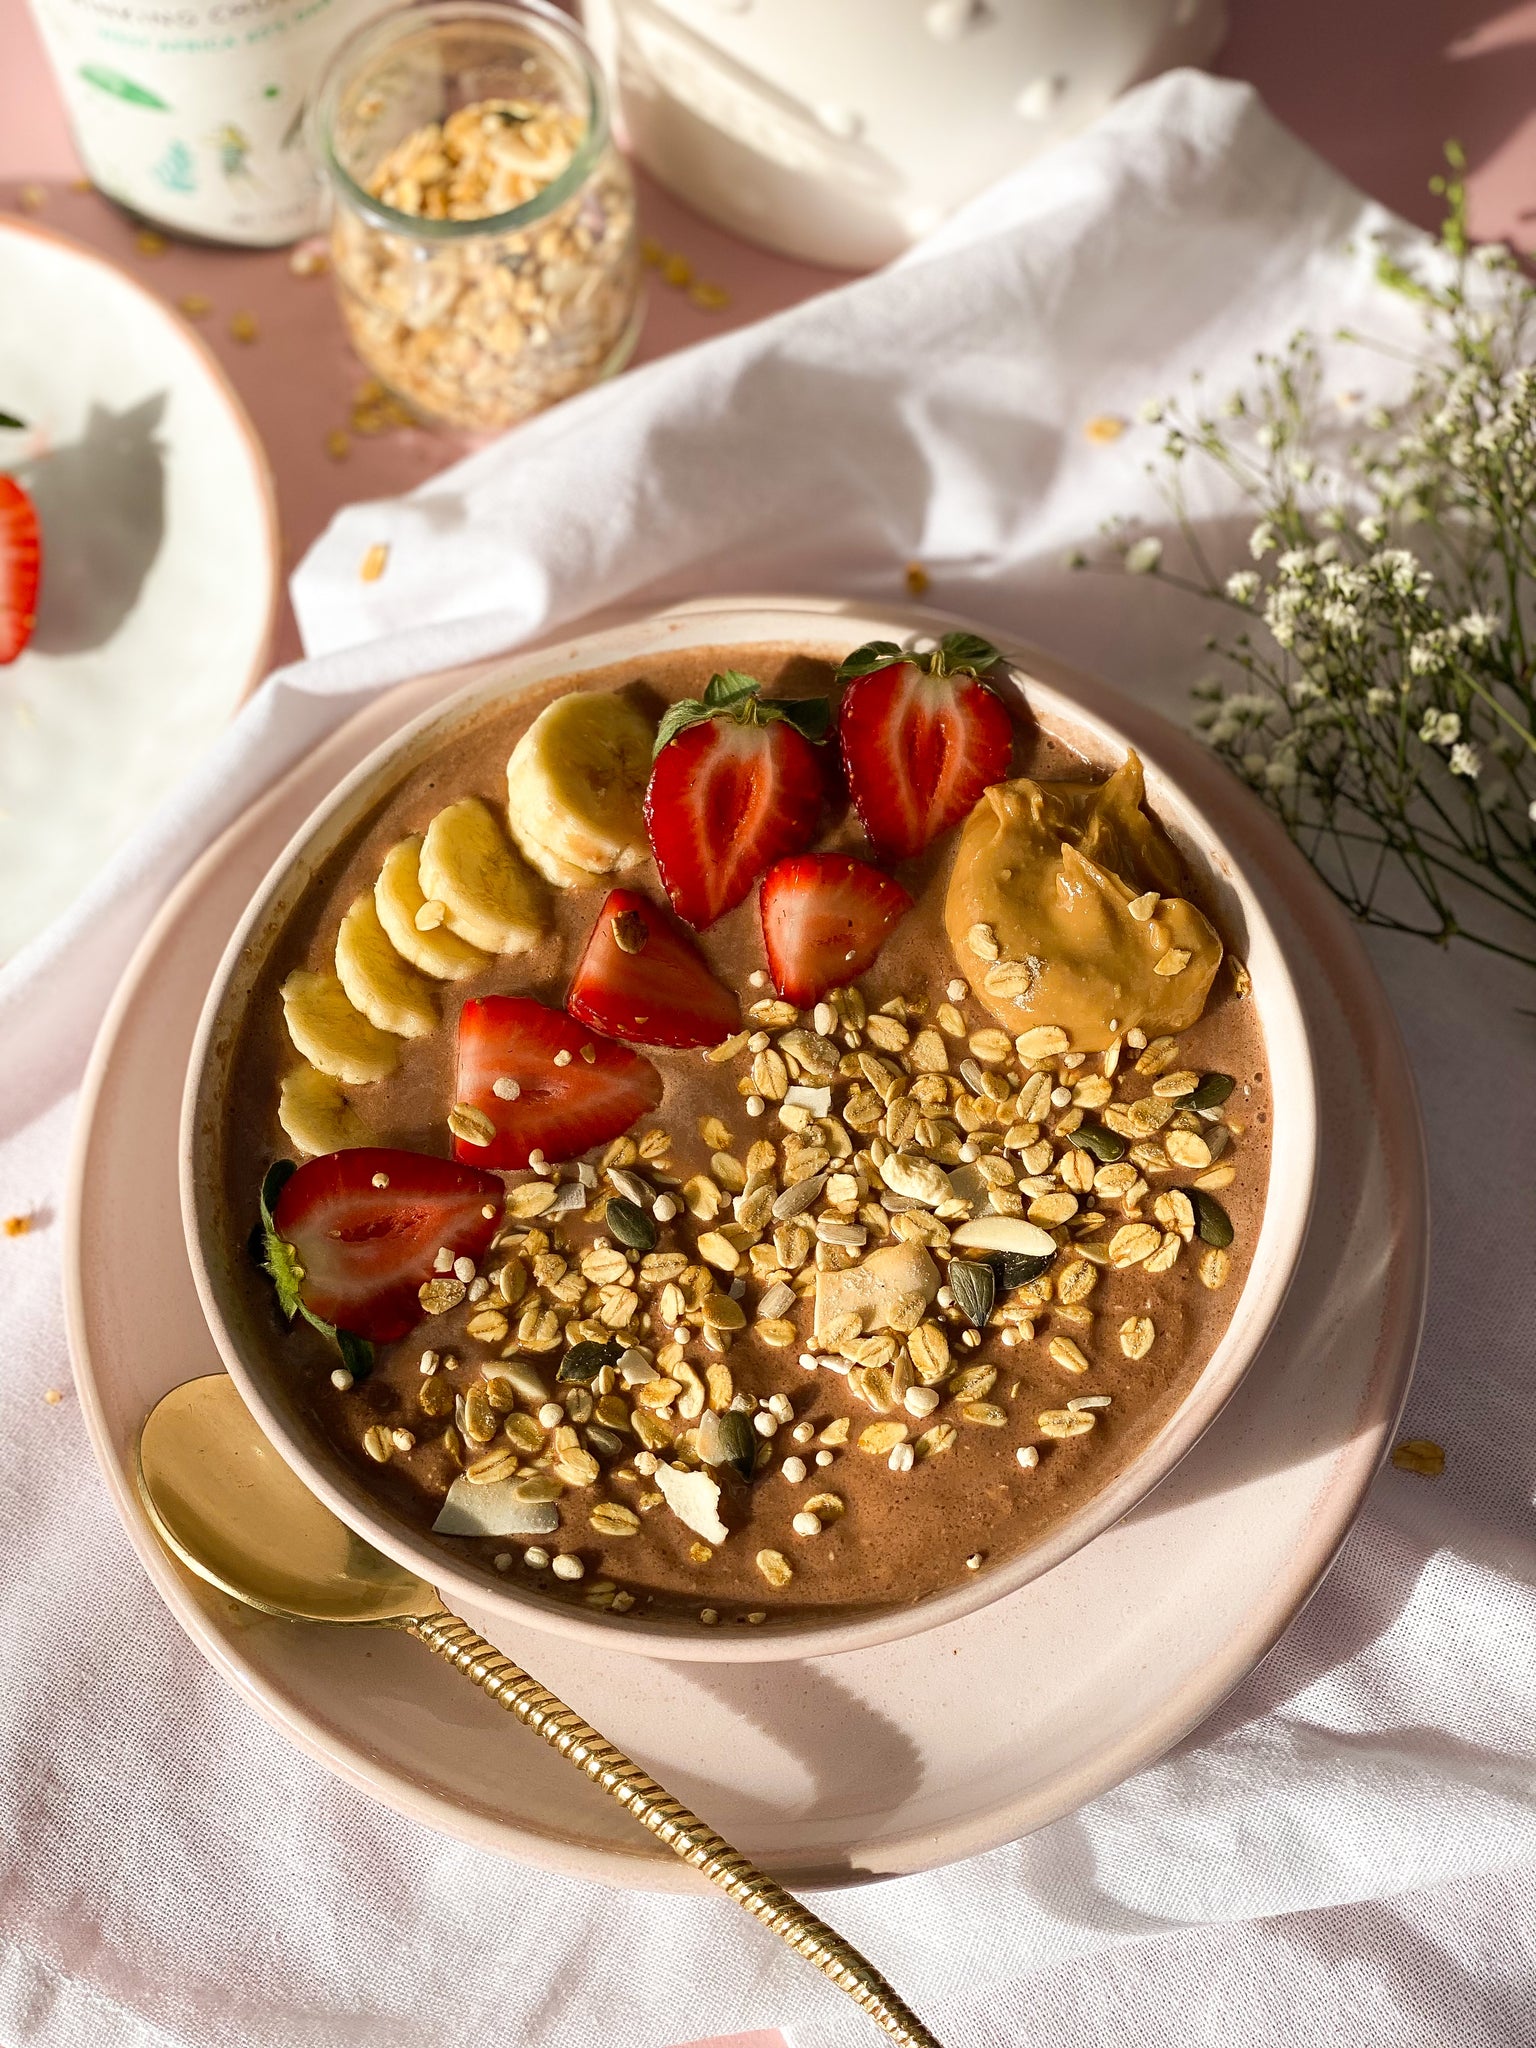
point(670, 1821)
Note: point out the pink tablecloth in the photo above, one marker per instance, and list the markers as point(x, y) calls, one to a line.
point(1375, 87)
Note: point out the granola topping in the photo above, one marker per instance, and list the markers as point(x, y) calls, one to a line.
point(479, 329)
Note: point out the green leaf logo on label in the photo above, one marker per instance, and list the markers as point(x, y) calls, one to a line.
point(106, 80)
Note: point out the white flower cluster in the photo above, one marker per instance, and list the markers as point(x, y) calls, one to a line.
point(1387, 644)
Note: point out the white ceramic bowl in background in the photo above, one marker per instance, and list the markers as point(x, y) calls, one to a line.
point(216, 1242)
point(839, 131)
point(161, 565)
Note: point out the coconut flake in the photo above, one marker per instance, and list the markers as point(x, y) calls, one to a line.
point(695, 1500)
point(817, 1100)
point(493, 1510)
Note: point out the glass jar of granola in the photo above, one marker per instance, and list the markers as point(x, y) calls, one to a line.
point(483, 227)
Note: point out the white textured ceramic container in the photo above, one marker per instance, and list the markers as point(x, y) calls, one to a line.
point(840, 130)
point(216, 1243)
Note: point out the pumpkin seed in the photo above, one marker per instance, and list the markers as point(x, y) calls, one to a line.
point(1213, 1090)
point(583, 1362)
point(974, 1285)
point(729, 1439)
point(630, 1224)
point(1106, 1145)
point(1015, 1269)
point(1211, 1220)
point(607, 1443)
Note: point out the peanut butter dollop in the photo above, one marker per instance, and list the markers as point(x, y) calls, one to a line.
point(1039, 912)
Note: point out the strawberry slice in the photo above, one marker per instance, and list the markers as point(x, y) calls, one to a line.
point(921, 738)
point(825, 917)
point(737, 782)
point(21, 567)
point(642, 979)
point(353, 1235)
point(510, 1070)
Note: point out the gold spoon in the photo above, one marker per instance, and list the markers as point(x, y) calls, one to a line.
point(223, 1501)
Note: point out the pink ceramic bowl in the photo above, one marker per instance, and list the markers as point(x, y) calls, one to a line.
point(1077, 710)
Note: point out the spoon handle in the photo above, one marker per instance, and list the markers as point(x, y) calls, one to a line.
point(670, 1821)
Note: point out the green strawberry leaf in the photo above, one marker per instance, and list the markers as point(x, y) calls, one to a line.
point(677, 718)
point(963, 654)
point(733, 694)
point(280, 1262)
point(9, 419)
point(730, 687)
point(866, 659)
point(277, 1257)
point(810, 716)
point(356, 1354)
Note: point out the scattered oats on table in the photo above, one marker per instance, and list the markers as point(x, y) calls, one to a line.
point(1419, 1454)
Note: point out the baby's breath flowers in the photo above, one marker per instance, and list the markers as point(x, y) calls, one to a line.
point(1387, 697)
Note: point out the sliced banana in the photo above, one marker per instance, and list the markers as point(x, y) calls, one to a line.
point(331, 1034)
point(378, 982)
point(313, 1109)
point(575, 784)
point(489, 894)
point(397, 896)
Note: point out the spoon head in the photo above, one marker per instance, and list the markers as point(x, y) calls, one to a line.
point(225, 1503)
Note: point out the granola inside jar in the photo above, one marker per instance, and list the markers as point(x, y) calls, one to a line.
point(483, 223)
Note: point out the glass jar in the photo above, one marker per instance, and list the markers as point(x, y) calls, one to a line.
point(483, 234)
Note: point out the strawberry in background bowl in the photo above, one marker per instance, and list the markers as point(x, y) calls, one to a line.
point(21, 563)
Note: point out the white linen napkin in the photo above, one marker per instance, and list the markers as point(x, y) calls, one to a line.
point(177, 1877)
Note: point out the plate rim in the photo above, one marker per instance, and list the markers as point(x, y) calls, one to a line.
point(1331, 1517)
point(245, 427)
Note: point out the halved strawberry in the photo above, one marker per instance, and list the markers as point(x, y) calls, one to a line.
point(511, 1071)
point(363, 1229)
point(736, 783)
point(825, 917)
point(921, 738)
point(642, 979)
point(21, 565)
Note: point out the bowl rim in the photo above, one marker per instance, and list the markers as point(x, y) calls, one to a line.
point(1051, 689)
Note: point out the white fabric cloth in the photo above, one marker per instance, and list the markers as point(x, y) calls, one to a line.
point(176, 1877)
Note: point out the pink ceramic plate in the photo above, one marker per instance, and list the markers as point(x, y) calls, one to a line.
point(831, 1770)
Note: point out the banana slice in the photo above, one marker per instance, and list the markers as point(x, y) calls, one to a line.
point(313, 1109)
point(489, 895)
point(377, 981)
point(575, 784)
point(330, 1034)
point(397, 897)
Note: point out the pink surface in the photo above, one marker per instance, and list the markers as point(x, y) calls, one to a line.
point(1376, 88)
point(773, 2040)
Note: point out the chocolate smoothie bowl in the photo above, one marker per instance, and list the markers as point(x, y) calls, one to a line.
point(755, 1133)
